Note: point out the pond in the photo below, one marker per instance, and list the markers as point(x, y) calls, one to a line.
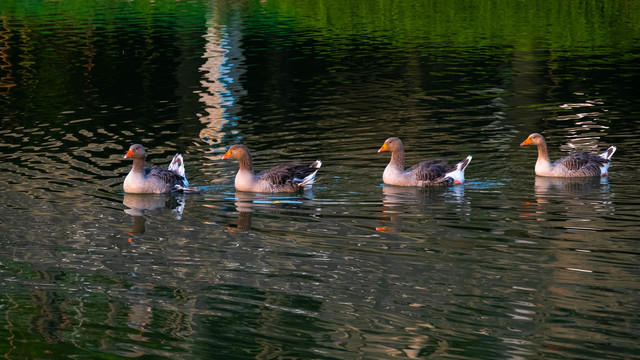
point(508, 265)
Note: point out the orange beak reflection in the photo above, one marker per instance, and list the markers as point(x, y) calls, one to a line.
point(384, 148)
point(227, 154)
point(128, 154)
point(526, 142)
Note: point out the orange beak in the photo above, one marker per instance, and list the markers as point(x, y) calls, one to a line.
point(383, 148)
point(227, 154)
point(526, 142)
point(128, 154)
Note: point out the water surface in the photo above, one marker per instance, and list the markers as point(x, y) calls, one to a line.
point(507, 266)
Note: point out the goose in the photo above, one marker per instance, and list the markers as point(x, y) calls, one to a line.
point(153, 180)
point(574, 165)
point(426, 173)
point(287, 177)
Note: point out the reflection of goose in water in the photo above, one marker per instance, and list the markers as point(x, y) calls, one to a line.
point(572, 196)
point(401, 195)
point(247, 203)
point(550, 186)
point(139, 204)
point(244, 206)
point(426, 199)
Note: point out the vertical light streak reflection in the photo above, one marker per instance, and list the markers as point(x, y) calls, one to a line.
point(218, 77)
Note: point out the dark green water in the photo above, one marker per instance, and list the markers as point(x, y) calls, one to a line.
point(506, 266)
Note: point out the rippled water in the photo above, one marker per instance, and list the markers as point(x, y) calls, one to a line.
point(507, 266)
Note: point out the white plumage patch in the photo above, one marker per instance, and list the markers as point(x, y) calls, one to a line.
point(177, 166)
point(309, 179)
point(458, 173)
point(604, 169)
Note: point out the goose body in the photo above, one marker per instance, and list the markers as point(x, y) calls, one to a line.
point(287, 177)
point(153, 180)
point(426, 173)
point(574, 165)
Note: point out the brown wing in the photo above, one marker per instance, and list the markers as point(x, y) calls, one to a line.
point(583, 163)
point(279, 175)
point(430, 170)
point(286, 173)
point(165, 175)
point(577, 161)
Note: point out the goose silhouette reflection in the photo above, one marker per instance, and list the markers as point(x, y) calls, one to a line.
point(247, 203)
point(139, 204)
point(546, 186)
point(244, 203)
point(399, 201)
point(574, 198)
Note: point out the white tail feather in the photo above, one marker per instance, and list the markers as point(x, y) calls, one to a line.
point(604, 169)
point(177, 166)
point(309, 179)
point(458, 173)
point(609, 153)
